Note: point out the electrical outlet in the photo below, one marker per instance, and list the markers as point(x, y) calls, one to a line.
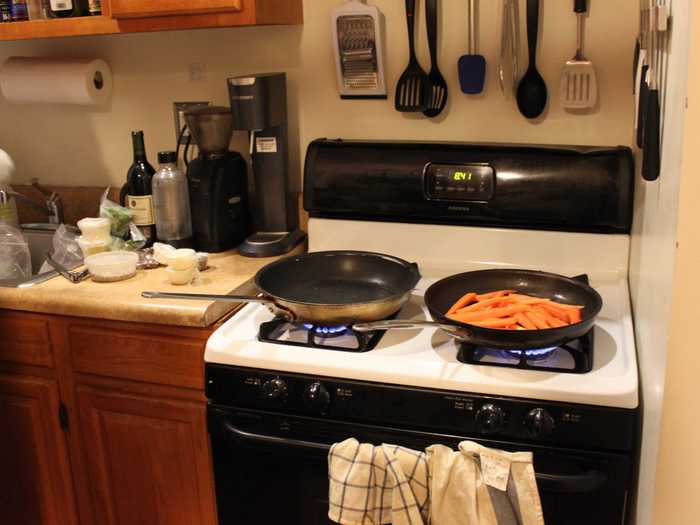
point(179, 109)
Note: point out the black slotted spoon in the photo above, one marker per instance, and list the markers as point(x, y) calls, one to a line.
point(437, 95)
point(412, 88)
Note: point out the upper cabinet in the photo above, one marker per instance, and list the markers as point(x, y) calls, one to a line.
point(148, 8)
point(134, 16)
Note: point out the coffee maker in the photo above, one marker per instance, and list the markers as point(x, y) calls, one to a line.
point(259, 106)
point(217, 182)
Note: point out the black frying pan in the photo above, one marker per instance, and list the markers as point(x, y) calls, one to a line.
point(444, 293)
point(327, 288)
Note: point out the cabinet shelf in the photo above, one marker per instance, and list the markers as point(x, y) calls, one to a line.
point(253, 12)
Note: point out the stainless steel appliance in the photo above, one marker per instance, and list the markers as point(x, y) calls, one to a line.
point(217, 182)
point(280, 392)
point(259, 106)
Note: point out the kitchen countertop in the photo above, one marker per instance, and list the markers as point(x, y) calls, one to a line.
point(122, 301)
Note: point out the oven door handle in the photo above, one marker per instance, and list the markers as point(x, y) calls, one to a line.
point(590, 481)
point(242, 435)
point(577, 483)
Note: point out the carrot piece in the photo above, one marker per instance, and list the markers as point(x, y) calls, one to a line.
point(491, 295)
point(463, 301)
point(535, 319)
point(554, 311)
point(551, 320)
point(487, 303)
point(524, 321)
point(469, 317)
point(574, 316)
point(496, 323)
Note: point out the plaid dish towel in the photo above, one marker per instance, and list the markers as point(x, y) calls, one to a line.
point(373, 485)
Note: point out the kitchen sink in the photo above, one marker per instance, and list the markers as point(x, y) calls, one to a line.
point(39, 237)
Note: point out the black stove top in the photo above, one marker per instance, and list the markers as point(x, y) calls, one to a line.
point(341, 338)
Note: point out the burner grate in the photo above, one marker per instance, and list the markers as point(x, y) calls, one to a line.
point(574, 357)
point(341, 338)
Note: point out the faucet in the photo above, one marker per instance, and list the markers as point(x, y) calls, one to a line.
point(53, 204)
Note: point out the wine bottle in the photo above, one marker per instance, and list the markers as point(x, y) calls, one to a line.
point(5, 11)
point(65, 8)
point(136, 194)
point(19, 11)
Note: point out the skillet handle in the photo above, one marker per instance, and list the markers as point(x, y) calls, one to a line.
point(455, 331)
point(208, 297)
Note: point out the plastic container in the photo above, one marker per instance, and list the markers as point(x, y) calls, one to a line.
point(112, 266)
point(180, 277)
point(95, 229)
point(93, 247)
point(182, 259)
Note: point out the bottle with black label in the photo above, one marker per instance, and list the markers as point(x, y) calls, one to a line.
point(136, 194)
point(5, 11)
point(65, 8)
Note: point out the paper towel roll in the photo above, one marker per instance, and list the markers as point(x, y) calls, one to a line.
point(86, 82)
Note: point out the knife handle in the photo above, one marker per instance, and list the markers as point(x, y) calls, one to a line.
point(651, 161)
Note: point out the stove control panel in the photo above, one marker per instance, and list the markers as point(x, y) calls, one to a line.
point(469, 415)
point(459, 182)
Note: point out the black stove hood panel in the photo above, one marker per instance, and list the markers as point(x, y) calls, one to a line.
point(565, 188)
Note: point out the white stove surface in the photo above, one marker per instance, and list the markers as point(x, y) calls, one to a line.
point(428, 357)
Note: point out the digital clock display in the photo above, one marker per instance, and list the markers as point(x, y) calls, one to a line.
point(460, 182)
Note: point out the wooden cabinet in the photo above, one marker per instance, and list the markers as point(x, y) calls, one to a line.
point(134, 16)
point(35, 476)
point(146, 8)
point(102, 421)
point(148, 459)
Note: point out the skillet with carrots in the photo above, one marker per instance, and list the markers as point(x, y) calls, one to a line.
point(509, 310)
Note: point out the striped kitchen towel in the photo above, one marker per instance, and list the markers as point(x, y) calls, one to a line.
point(371, 485)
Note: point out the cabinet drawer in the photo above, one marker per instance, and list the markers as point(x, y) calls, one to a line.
point(161, 359)
point(25, 339)
point(149, 8)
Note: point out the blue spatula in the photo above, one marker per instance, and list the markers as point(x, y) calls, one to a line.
point(472, 66)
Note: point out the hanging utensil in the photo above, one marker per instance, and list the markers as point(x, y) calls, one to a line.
point(651, 158)
point(437, 98)
point(642, 80)
point(510, 35)
point(472, 66)
point(413, 86)
point(578, 88)
point(532, 90)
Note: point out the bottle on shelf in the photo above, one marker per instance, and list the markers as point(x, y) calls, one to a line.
point(95, 7)
point(65, 8)
point(5, 10)
point(171, 201)
point(136, 194)
point(18, 10)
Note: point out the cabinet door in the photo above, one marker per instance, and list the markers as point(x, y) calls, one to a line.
point(148, 8)
point(35, 477)
point(148, 459)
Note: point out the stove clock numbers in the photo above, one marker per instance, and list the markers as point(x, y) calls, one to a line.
point(317, 398)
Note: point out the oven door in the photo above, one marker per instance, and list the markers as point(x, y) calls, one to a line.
point(271, 468)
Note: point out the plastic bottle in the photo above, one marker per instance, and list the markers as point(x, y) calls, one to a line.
point(171, 202)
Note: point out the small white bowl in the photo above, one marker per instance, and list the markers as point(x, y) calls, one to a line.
point(112, 266)
point(202, 261)
point(180, 277)
point(94, 229)
point(182, 259)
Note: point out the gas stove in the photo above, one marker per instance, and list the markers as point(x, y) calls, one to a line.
point(296, 387)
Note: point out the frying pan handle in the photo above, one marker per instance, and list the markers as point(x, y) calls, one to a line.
point(208, 297)
point(452, 330)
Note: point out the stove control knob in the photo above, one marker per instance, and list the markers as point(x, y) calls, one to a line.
point(490, 419)
point(539, 423)
point(317, 398)
point(275, 390)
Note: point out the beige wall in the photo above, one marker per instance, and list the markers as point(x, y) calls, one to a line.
point(678, 470)
point(71, 145)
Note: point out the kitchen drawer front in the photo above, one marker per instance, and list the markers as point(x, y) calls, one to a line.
point(149, 357)
point(150, 8)
point(25, 338)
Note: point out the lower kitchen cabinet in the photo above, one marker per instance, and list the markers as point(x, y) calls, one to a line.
point(148, 459)
point(35, 476)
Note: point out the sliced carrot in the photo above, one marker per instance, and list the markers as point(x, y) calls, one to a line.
point(554, 311)
point(470, 317)
point(537, 320)
point(496, 323)
point(525, 322)
point(463, 301)
point(491, 295)
point(574, 316)
point(487, 303)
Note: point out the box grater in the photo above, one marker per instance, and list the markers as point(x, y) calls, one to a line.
point(358, 33)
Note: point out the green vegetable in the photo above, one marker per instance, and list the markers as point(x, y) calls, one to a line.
point(119, 219)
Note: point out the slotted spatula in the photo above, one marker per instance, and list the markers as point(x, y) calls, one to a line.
point(437, 98)
point(413, 86)
point(578, 88)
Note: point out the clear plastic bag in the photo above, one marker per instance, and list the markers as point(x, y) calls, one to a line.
point(66, 250)
point(125, 234)
point(15, 259)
